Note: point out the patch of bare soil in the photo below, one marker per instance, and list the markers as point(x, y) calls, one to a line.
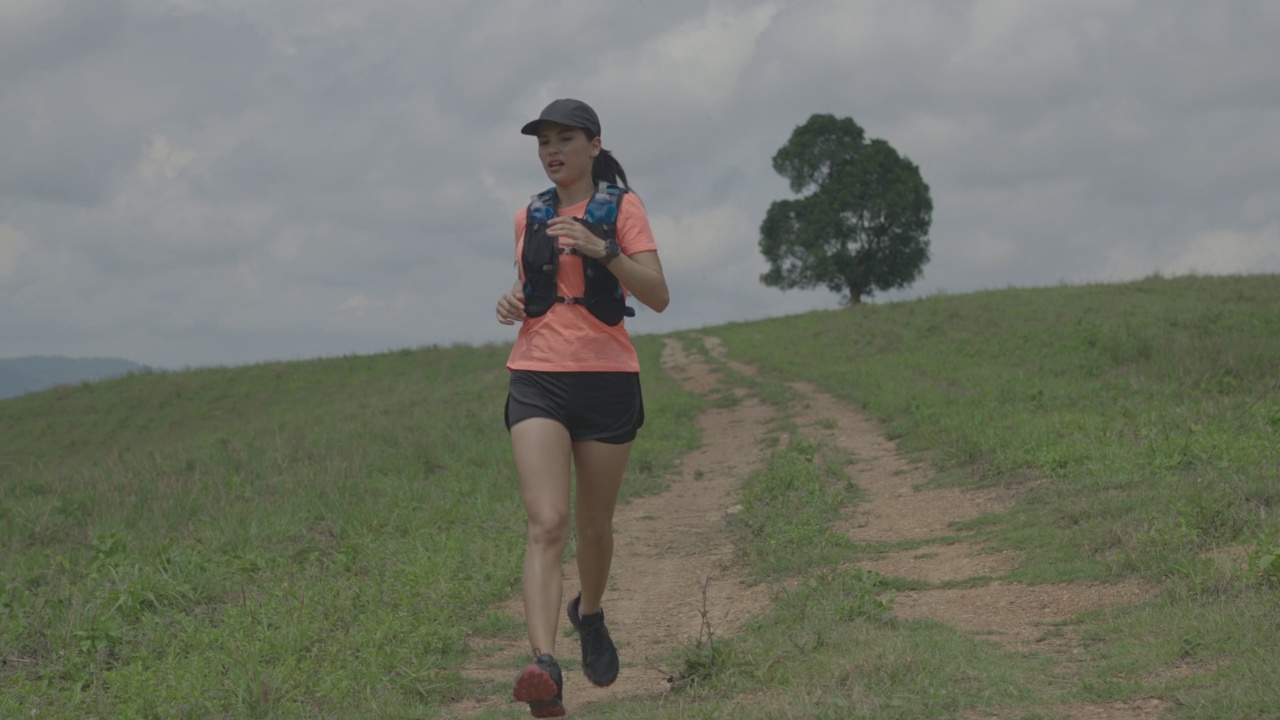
point(944, 563)
point(667, 548)
point(1014, 613)
point(719, 352)
point(1140, 709)
point(896, 507)
point(1185, 669)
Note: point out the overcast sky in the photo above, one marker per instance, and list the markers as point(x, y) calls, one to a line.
point(198, 182)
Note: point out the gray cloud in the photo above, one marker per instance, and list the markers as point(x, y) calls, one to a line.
point(226, 181)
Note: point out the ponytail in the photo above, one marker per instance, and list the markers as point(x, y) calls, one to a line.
point(606, 168)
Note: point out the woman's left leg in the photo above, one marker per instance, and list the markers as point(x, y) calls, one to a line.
point(599, 468)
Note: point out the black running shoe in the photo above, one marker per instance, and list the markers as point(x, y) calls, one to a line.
point(542, 687)
point(599, 656)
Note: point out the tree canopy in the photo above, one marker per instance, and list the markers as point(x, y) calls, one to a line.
point(862, 222)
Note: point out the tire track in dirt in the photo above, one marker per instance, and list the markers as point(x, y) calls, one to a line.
point(667, 547)
point(895, 507)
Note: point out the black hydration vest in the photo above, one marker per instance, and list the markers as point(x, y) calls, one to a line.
point(540, 260)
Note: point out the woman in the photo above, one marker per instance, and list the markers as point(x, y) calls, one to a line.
point(574, 395)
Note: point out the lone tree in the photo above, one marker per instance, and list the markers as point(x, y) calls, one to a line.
point(862, 221)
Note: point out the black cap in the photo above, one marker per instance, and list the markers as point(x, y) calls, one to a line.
point(566, 111)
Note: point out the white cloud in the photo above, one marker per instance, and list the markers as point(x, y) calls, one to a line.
point(159, 218)
point(680, 67)
point(12, 244)
point(1215, 252)
point(713, 238)
point(163, 161)
point(19, 15)
point(1014, 46)
point(1228, 251)
point(360, 302)
point(213, 181)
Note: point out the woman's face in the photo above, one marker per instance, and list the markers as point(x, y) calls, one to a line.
point(565, 152)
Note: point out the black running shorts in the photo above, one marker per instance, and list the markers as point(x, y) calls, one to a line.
point(601, 406)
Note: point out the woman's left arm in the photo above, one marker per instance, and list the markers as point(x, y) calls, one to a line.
point(641, 274)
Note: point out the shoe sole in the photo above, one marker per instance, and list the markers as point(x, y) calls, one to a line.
point(598, 684)
point(536, 687)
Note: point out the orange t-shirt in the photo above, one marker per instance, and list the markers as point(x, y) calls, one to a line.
point(568, 338)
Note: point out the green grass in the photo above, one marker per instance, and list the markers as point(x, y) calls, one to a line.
point(313, 540)
point(285, 540)
point(788, 508)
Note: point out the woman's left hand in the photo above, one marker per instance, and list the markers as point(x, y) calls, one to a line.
point(573, 234)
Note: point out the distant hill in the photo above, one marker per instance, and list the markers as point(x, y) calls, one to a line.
point(22, 375)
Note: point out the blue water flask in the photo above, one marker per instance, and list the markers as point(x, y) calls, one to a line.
point(539, 211)
point(602, 208)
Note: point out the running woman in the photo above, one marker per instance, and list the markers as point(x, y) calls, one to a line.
point(574, 397)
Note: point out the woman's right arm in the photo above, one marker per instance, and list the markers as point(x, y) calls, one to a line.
point(511, 305)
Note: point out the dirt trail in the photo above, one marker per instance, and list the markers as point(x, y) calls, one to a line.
point(668, 545)
point(667, 548)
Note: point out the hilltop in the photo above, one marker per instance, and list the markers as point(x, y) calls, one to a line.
point(33, 373)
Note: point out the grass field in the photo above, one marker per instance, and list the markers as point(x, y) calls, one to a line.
point(319, 539)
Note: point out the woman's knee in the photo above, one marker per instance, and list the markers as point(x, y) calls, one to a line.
point(548, 528)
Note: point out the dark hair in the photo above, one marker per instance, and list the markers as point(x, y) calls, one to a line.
point(606, 167)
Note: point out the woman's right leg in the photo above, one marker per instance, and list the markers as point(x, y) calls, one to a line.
point(542, 450)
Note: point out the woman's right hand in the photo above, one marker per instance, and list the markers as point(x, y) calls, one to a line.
point(511, 308)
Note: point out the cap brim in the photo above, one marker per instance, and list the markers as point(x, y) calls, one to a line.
point(531, 127)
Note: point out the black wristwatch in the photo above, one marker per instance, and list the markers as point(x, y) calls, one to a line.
point(611, 251)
